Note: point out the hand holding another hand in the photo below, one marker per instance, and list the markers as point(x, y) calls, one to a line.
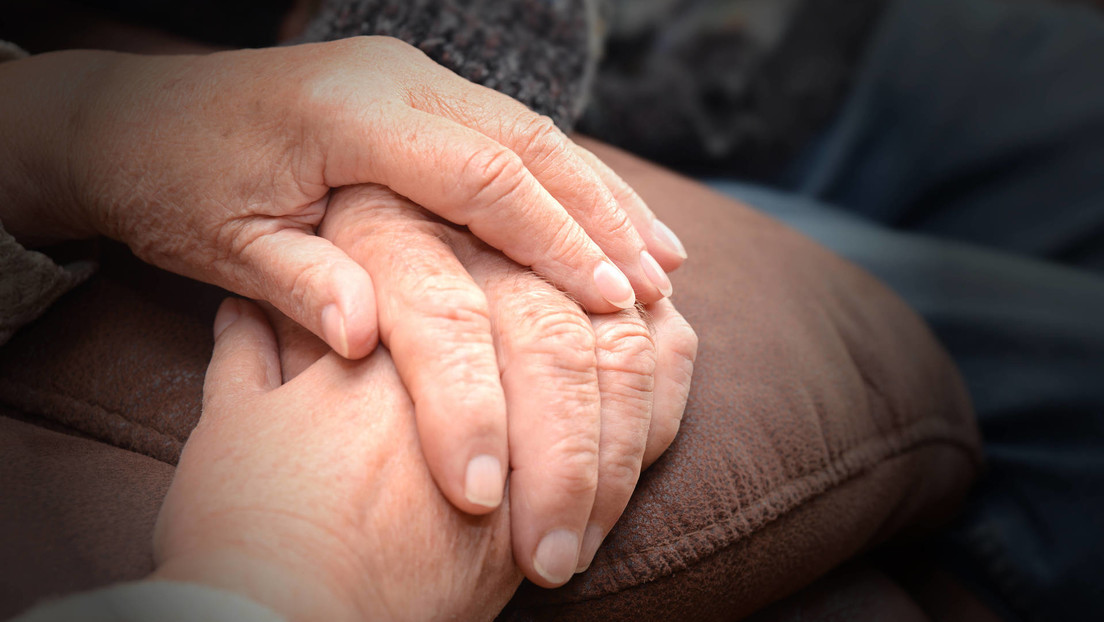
point(224, 168)
point(311, 497)
point(312, 483)
point(508, 373)
point(220, 168)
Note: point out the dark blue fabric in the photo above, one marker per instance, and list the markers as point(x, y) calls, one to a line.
point(967, 172)
point(980, 120)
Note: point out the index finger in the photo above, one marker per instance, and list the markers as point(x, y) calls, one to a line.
point(469, 179)
point(606, 208)
point(549, 372)
point(434, 320)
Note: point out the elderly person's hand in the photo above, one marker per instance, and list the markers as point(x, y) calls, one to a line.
point(312, 497)
point(590, 400)
point(220, 167)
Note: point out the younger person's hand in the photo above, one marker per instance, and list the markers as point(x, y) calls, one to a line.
point(312, 497)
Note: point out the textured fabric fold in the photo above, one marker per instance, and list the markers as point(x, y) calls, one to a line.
point(31, 282)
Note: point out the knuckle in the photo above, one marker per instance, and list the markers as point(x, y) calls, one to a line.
point(400, 227)
point(372, 241)
point(573, 464)
point(684, 340)
point(619, 469)
point(355, 213)
point(564, 338)
point(234, 241)
point(571, 246)
point(309, 280)
point(540, 140)
point(627, 350)
point(620, 224)
point(495, 175)
point(320, 99)
point(381, 46)
point(390, 43)
point(449, 300)
point(626, 344)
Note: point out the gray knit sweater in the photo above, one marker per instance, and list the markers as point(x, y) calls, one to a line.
point(731, 85)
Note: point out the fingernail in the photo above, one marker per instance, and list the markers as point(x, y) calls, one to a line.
point(592, 539)
point(227, 313)
point(664, 234)
point(557, 556)
point(483, 481)
point(656, 274)
point(614, 286)
point(333, 329)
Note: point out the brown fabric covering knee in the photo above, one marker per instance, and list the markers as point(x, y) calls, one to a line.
point(75, 513)
point(823, 419)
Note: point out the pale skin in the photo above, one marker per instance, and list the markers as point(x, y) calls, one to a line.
point(584, 400)
point(304, 486)
point(222, 167)
point(311, 497)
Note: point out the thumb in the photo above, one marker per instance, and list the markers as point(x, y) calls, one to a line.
point(316, 284)
point(245, 360)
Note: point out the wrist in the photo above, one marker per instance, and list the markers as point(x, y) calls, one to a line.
point(292, 594)
point(39, 116)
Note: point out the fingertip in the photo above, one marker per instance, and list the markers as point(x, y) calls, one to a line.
point(228, 312)
point(319, 286)
point(484, 481)
point(333, 329)
point(613, 285)
point(656, 274)
point(466, 451)
point(362, 336)
point(351, 328)
point(592, 539)
point(245, 356)
point(669, 247)
point(557, 557)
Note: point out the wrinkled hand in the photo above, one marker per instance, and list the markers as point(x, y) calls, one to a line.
point(220, 167)
point(504, 369)
point(312, 497)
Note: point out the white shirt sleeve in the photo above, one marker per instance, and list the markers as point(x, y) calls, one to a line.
point(151, 601)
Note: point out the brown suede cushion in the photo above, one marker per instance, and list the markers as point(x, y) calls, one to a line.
point(823, 419)
point(76, 513)
point(859, 591)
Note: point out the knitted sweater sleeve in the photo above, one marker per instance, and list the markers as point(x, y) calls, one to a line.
point(30, 282)
point(543, 53)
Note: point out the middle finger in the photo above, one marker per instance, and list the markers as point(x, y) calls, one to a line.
point(434, 320)
point(546, 349)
